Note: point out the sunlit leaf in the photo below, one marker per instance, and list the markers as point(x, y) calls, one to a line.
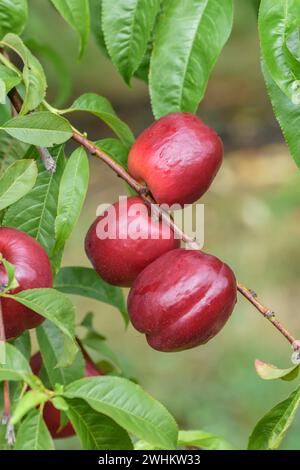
point(271, 429)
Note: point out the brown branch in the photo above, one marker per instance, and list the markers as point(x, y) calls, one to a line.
point(268, 314)
point(145, 194)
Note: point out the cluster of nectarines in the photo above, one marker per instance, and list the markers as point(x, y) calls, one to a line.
point(178, 298)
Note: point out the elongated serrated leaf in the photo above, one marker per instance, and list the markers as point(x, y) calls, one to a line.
point(77, 14)
point(87, 283)
point(33, 73)
point(127, 26)
point(51, 342)
point(18, 180)
point(72, 192)
point(13, 16)
point(33, 434)
point(13, 365)
point(287, 114)
point(115, 149)
point(96, 431)
point(42, 128)
point(56, 307)
point(271, 429)
point(203, 440)
point(9, 78)
point(130, 406)
point(10, 150)
point(101, 107)
point(187, 42)
point(270, 372)
point(35, 213)
point(30, 400)
point(277, 21)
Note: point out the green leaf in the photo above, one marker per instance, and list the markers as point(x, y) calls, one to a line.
point(36, 212)
point(77, 14)
point(127, 26)
point(287, 114)
point(2, 92)
point(10, 150)
point(96, 431)
point(270, 372)
point(60, 68)
point(23, 344)
point(143, 71)
point(130, 406)
point(271, 429)
point(18, 180)
point(72, 192)
point(293, 43)
point(10, 269)
point(41, 128)
point(187, 42)
point(277, 21)
point(96, 25)
point(101, 107)
point(115, 149)
point(33, 73)
point(3, 441)
point(30, 400)
point(97, 342)
point(56, 307)
point(33, 434)
point(51, 342)
point(13, 365)
point(13, 16)
point(10, 78)
point(87, 283)
point(60, 404)
point(203, 440)
point(142, 445)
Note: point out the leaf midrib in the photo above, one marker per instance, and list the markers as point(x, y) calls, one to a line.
point(180, 98)
point(15, 182)
point(122, 411)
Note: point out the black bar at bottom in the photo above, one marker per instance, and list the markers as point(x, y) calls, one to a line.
point(133, 459)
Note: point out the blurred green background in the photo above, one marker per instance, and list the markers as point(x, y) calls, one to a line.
point(252, 222)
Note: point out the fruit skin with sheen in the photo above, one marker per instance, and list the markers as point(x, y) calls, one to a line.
point(32, 270)
point(178, 157)
point(51, 415)
point(182, 300)
point(118, 261)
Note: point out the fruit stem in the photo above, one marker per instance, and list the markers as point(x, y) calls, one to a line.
point(145, 194)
